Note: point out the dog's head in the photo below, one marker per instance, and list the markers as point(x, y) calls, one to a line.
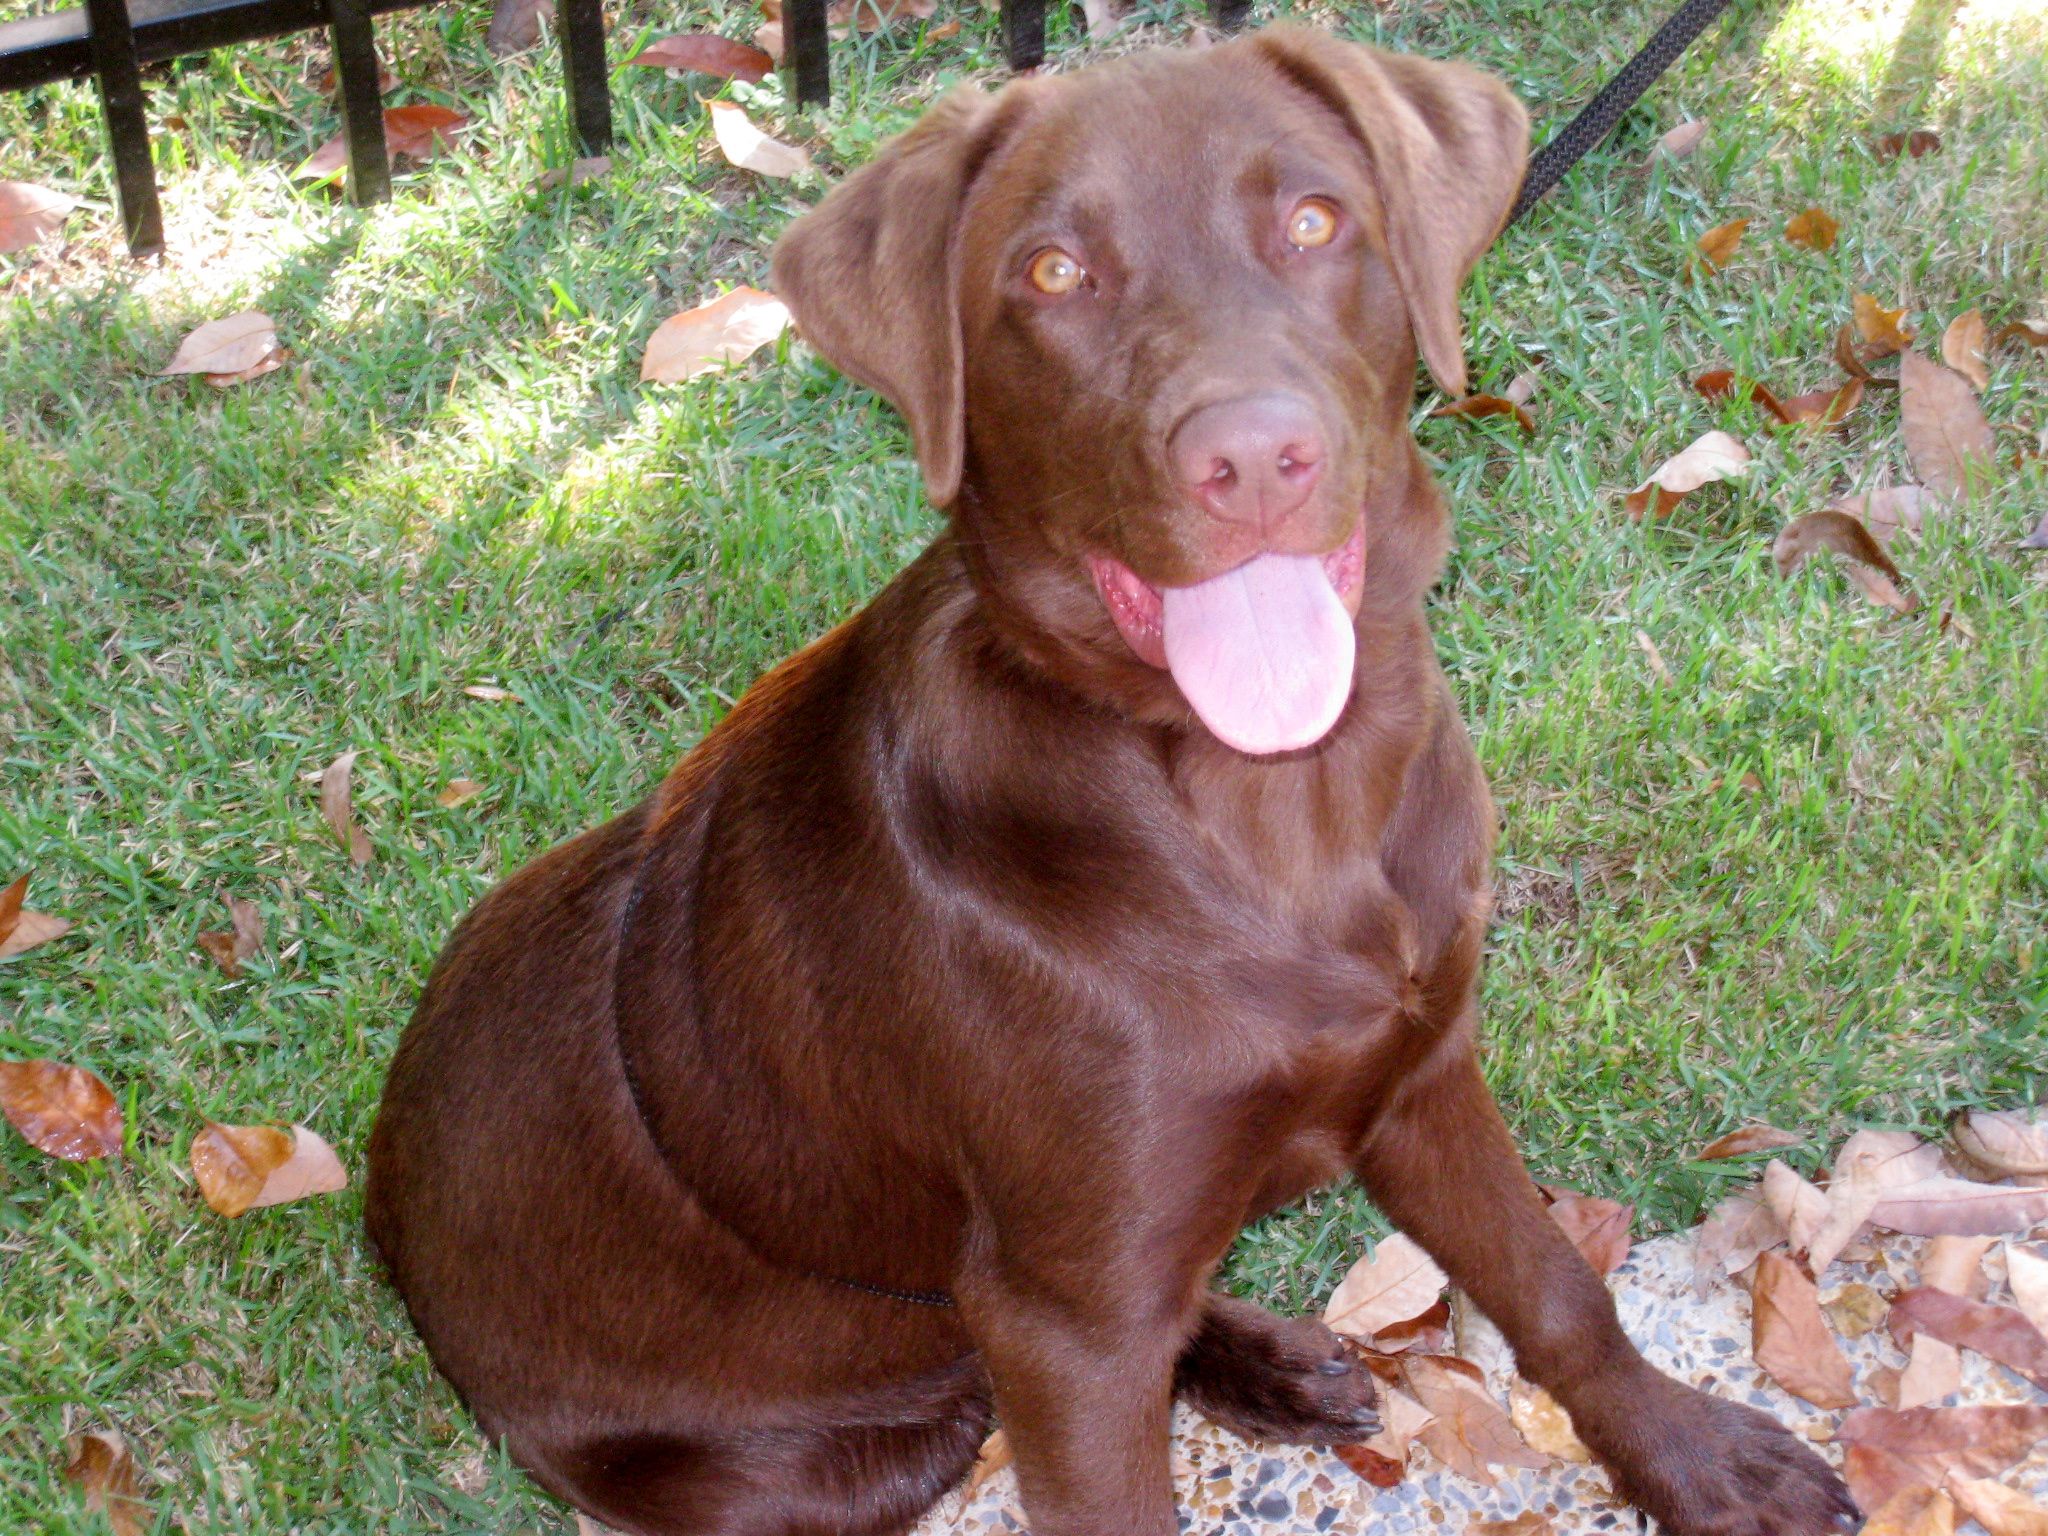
point(1154, 328)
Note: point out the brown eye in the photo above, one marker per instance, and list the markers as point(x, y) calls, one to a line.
point(1052, 270)
point(1313, 223)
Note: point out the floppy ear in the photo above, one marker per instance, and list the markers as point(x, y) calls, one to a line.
point(1448, 145)
point(870, 276)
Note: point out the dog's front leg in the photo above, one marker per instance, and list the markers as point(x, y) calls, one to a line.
point(1440, 1163)
point(1084, 1390)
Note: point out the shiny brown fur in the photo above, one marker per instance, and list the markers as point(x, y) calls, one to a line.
point(960, 959)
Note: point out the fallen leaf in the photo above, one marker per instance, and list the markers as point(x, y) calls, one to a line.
point(1789, 1338)
point(21, 929)
point(995, 1456)
point(515, 26)
point(1813, 230)
point(1997, 1333)
point(749, 148)
point(1381, 1471)
point(1522, 387)
point(1886, 511)
point(1799, 1207)
point(1713, 250)
point(2000, 1510)
point(873, 15)
point(30, 214)
point(1734, 1233)
point(2020, 331)
point(419, 132)
point(337, 804)
point(1823, 408)
point(1947, 437)
point(1921, 141)
point(1914, 1512)
point(1654, 657)
point(1934, 1206)
point(1882, 1383)
point(101, 1463)
point(458, 790)
point(707, 53)
point(575, 173)
point(1854, 359)
point(243, 1167)
point(330, 82)
point(490, 693)
point(1712, 456)
point(224, 346)
point(729, 329)
point(230, 949)
point(1598, 1228)
point(768, 38)
point(1855, 1309)
point(1956, 1265)
point(1427, 1333)
point(1681, 141)
point(1881, 327)
point(1933, 1373)
point(1719, 384)
point(1962, 348)
point(1527, 1523)
point(1541, 1420)
point(1751, 1138)
point(1396, 1282)
point(1490, 405)
point(62, 1110)
point(1870, 568)
point(1470, 1433)
point(1402, 1418)
point(2003, 1141)
point(943, 31)
point(2026, 1271)
point(1892, 1449)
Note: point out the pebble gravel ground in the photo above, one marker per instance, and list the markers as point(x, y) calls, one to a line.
point(1227, 1487)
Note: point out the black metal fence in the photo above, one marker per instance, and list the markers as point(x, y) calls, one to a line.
point(110, 40)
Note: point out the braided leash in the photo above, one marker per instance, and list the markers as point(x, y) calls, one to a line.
point(1597, 118)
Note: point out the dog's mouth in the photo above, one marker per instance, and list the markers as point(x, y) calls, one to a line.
point(1263, 652)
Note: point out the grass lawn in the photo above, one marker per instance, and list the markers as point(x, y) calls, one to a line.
point(1807, 880)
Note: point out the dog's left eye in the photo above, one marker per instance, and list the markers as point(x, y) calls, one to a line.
point(1313, 223)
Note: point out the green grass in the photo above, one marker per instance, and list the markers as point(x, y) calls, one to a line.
point(205, 596)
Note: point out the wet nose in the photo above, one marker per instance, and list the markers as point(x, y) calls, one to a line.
point(1253, 460)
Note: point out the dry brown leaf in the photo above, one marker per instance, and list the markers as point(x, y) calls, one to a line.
point(1947, 437)
point(1956, 1265)
point(995, 1456)
point(1542, 1421)
point(30, 214)
point(1429, 1333)
point(1527, 1523)
point(1734, 1233)
point(1813, 230)
point(2000, 1510)
point(1914, 1512)
point(2026, 1271)
point(1374, 1467)
point(942, 32)
point(1522, 387)
point(729, 329)
point(768, 38)
point(873, 15)
point(1789, 1338)
point(1854, 359)
point(2003, 1141)
point(1889, 1450)
point(337, 804)
point(707, 53)
point(515, 26)
point(1855, 1309)
point(1799, 1207)
point(490, 693)
point(1933, 1372)
point(1881, 327)
point(1962, 348)
point(226, 346)
point(1681, 141)
point(2020, 331)
point(1716, 248)
point(63, 1110)
point(1470, 1433)
point(1870, 567)
point(101, 1464)
point(1709, 457)
point(1886, 511)
point(418, 132)
point(22, 929)
point(1934, 1206)
point(458, 790)
point(1751, 1138)
point(1396, 1282)
point(1402, 1418)
point(312, 1169)
point(575, 173)
point(1921, 141)
point(747, 147)
point(232, 1161)
point(1490, 405)
point(244, 939)
point(1599, 1229)
point(1997, 1333)
point(1826, 408)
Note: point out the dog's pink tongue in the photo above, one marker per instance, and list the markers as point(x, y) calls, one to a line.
point(1263, 653)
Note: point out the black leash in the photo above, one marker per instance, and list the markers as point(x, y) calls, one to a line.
point(1597, 118)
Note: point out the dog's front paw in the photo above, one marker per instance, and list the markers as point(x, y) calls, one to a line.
point(1702, 1466)
point(1277, 1378)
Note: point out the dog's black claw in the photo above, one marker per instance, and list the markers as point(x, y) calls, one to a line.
point(1338, 1366)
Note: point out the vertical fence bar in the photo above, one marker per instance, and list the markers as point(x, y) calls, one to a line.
point(1024, 32)
point(583, 67)
point(362, 102)
point(1231, 14)
point(804, 44)
point(119, 76)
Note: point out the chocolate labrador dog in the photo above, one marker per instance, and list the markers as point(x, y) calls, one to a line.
point(909, 1059)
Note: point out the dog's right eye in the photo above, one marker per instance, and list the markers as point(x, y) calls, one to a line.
point(1053, 271)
